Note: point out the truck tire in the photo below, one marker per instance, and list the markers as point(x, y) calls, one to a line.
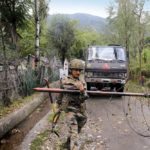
point(120, 88)
point(88, 86)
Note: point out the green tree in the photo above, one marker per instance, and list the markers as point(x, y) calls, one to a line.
point(14, 13)
point(28, 33)
point(28, 38)
point(141, 23)
point(84, 38)
point(122, 22)
point(62, 35)
point(129, 24)
point(40, 13)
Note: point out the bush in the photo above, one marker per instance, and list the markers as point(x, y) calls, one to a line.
point(148, 83)
point(29, 81)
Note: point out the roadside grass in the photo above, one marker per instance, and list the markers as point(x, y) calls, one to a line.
point(18, 103)
point(37, 143)
point(39, 140)
point(14, 106)
point(134, 86)
point(41, 137)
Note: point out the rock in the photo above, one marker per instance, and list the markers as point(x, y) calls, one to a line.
point(14, 131)
point(3, 141)
point(102, 142)
point(99, 136)
point(119, 122)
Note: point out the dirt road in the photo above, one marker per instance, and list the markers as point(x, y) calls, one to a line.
point(108, 115)
point(106, 129)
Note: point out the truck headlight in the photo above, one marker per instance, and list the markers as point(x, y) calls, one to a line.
point(122, 75)
point(89, 74)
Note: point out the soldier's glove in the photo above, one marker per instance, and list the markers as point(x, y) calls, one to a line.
point(83, 96)
point(79, 86)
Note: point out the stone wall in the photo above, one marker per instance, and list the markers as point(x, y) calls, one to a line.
point(11, 84)
point(16, 76)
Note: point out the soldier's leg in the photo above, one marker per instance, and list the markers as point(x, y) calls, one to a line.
point(73, 130)
point(81, 120)
point(81, 117)
point(63, 136)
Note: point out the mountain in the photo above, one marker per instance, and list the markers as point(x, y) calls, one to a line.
point(96, 23)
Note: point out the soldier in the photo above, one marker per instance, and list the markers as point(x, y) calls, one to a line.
point(73, 104)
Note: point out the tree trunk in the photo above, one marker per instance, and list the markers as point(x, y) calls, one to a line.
point(140, 62)
point(37, 32)
point(63, 56)
point(5, 97)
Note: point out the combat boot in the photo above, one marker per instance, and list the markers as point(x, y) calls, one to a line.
point(65, 145)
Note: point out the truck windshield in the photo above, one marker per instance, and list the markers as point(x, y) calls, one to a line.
point(106, 53)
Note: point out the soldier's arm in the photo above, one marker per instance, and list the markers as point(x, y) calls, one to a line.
point(83, 94)
point(80, 86)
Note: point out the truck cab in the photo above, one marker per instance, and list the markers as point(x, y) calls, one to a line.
point(106, 67)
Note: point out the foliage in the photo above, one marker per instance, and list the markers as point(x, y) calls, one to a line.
point(134, 86)
point(43, 8)
point(17, 20)
point(135, 69)
point(122, 22)
point(129, 23)
point(62, 35)
point(13, 15)
point(28, 37)
point(147, 41)
point(84, 38)
point(27, 40)
point(80, 40)
point(18, 103)
point(148, 83)
point(16, 23)
point(36, 143)
point(29, 81)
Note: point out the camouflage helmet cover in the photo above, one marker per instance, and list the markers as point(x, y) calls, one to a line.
point(76, 64)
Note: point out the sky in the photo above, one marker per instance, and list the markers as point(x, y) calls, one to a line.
point(93, 7)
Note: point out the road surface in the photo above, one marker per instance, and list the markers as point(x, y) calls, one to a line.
point(108, 115)
point(107, 127)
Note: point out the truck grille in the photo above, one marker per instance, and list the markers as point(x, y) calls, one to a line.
point(106, 75)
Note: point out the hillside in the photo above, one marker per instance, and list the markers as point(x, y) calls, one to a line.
point(87, 21)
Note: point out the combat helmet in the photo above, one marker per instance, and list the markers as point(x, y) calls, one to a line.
point(76, 64)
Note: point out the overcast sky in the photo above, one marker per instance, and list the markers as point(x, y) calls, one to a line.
point(93, 7)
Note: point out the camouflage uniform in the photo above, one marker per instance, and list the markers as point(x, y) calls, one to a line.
point(73, 105)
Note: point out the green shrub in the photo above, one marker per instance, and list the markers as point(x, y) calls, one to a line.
point(148, 83)
point(29, 81)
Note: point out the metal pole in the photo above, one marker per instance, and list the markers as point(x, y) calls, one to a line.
point(50, 96)
point(57, 90)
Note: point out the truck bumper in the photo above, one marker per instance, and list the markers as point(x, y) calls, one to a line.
point(105, 80)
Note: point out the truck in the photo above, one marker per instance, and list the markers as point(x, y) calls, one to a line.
point(106, 67)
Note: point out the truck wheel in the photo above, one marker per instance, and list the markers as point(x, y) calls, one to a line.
point(88, 86)
point(120, 88)
point(111, 88)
